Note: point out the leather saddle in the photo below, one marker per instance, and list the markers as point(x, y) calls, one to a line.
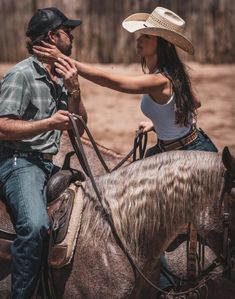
point(60, 204)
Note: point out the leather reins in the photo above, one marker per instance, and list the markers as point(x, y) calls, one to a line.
point(139, 147)
point(226, 257)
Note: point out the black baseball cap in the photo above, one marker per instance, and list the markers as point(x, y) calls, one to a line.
point(47, 19)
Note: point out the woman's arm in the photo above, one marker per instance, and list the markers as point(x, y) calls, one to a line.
point(148, 83)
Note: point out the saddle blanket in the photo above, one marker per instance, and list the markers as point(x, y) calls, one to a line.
point(61, 253)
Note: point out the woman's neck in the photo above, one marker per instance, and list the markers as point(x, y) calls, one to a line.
point(151, 62)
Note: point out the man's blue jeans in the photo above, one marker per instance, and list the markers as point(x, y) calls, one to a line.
point(24, 181)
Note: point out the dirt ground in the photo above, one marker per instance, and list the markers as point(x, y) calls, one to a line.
point(114, 116)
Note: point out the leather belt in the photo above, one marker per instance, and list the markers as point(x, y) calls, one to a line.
point(19, 154)
point(179, 143)
point(47, 157)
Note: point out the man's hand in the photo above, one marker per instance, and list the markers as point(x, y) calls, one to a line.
point(67, 69)
point(60, 120)
point(17, 129)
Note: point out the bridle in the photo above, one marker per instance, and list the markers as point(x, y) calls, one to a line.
point(226, 259)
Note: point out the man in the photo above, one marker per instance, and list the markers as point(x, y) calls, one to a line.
point(35, 103)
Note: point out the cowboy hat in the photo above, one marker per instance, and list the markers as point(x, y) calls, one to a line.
point(161, 22)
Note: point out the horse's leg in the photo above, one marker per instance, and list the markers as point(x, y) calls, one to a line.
point(96, 272)
point(143, 289)
point(5, 285)
point(5, 268)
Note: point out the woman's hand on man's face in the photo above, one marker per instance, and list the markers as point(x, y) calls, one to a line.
point(47, 53)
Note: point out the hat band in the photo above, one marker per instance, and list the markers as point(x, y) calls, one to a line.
point(159, 20)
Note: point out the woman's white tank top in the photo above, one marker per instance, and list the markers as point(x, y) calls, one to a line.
point(163, 118)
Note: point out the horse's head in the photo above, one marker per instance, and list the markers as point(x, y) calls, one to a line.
point(229, 163)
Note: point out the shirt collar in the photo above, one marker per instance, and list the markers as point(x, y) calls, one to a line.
point(38, 68)
point(40, 72)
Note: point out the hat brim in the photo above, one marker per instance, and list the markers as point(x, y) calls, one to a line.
point(136, 23)
point(72, 23)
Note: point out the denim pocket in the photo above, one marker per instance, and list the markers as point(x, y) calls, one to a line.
point(201, 143)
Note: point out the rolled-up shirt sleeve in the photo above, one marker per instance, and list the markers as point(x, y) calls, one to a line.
point(14, 95)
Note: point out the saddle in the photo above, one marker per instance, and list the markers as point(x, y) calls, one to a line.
point(65, 204)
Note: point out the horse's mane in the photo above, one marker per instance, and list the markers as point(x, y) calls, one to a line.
point(157, 193)
point(102, 149)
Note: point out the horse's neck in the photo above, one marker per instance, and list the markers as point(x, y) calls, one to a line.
point(151, 200)
point(148, 230)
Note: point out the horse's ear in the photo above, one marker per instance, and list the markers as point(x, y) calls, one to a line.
point(228, 160)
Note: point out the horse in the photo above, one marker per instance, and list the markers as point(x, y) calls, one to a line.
point(150, 201)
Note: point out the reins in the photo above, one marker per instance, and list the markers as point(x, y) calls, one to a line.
point(226, 257)
point(78, 147)
point(139, 147)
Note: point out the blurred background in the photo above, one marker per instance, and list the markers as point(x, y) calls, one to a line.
point(210, 27)
point(113, 116)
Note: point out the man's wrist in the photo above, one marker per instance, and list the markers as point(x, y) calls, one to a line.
point(74, 92)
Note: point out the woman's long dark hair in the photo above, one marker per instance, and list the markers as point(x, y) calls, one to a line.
point(171, 66)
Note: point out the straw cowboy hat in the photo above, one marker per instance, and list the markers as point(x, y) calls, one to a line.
point(161, 22)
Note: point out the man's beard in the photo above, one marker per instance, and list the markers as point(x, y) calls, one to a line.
point(66, 50)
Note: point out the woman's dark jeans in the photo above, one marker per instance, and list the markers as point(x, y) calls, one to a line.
point(201, 143)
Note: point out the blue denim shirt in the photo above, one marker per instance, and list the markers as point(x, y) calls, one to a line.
point(28, 93)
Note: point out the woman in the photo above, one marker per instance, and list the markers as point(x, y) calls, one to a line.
point(168, 100)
